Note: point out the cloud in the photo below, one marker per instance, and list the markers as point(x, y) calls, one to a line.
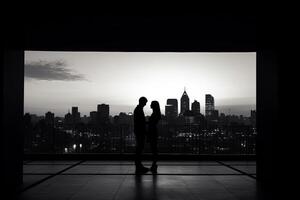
point(50, 71)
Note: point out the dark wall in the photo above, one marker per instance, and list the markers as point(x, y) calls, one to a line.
point(12, 119)
point(267, 118)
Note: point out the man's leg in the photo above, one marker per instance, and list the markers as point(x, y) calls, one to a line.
point(138, 149)
point(140, 142)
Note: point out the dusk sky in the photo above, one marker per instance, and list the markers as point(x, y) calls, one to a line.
point(56, 81)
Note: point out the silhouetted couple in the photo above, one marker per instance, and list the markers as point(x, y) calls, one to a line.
point(141, 131)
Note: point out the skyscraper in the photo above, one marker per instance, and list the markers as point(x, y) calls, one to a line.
point(196, 107)
point(103, 113)
point(253, 114)
point(48, 132)
point(215, 115)
point(253, 117)
point(184, 103)
point(75, 115)
point(74, 110)
point(93, 117)
point(209, 105)
point(171, 109)
point(49, 118)
point(68, 119)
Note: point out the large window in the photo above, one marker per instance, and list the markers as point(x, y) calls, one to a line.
point(83, 102)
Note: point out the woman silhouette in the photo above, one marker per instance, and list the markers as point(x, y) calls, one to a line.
point(153, 133)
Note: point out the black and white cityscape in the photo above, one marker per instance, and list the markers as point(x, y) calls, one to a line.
point(180, 106)
point(184, 130)
point(83, 102)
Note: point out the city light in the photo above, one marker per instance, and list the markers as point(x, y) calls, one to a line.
point(187, 132)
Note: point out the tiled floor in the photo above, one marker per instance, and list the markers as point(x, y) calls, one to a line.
point(116, 180)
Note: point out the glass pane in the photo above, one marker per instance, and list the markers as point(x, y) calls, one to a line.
point(83, 102)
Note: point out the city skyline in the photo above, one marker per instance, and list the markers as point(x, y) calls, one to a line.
point(193, 106)
point(57, 81)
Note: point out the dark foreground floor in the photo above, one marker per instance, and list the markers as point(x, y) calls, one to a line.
point(116, 180)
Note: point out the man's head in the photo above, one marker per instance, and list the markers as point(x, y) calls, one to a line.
point(143, 101)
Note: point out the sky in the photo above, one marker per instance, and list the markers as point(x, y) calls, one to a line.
point(56, 81)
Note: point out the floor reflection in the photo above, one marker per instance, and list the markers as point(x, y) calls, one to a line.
point(145, 187)
point(115, 180)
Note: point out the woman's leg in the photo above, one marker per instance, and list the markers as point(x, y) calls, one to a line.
point(140, 141)
point(153, 144)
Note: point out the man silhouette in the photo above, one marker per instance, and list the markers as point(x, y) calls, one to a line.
point(140, 133)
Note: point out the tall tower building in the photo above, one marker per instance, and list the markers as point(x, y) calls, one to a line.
point(68, 119)
point(209, 105)
point(75, 115)
point(49, 118)
point(253, 117)
point(103, 113)
point(184, 103)
point(93, 117)
point(74, 110)
point(196, 107)
point(171, 109)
